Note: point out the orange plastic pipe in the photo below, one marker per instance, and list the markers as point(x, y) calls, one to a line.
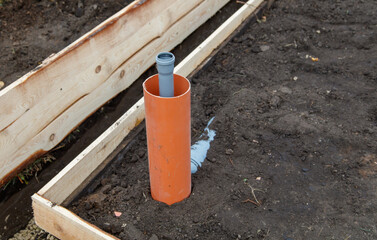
point(168, 123)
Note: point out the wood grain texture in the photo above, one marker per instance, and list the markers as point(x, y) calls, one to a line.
point(68, 97)
point(64, 224)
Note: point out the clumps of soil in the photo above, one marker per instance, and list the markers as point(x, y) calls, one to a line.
point(294, 157)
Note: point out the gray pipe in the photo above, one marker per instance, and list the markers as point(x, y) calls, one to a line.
point(165, 68)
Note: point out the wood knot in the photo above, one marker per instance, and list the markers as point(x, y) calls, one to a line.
point(122, 74)
point(98, 69)
point(52, 137)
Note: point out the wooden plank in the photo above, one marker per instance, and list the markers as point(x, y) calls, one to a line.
point(64, 224)
point(34, 133)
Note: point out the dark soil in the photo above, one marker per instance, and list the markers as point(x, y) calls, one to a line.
point(295, 105)
point(30, 31)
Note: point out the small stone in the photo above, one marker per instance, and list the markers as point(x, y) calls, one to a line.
point(80, 9)
point(195, 220)
point(305, 169)
point(228, 151)
point(286, 90)
point(1, 84)
point(264, 48)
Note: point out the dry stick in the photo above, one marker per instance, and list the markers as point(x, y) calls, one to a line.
point(249, 200)
point(252, 192)
point(231, 161)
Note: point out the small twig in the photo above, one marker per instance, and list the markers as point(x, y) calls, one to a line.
point(253, 192)
point(238, 91)
point(231, 161)
point(249, 200)
point(242, 2)
point(20, 179)
point(95, 219)
point(320, 231)
point(348, 237)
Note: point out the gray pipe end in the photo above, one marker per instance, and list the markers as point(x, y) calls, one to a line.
point(165, 58)
point(165, 67)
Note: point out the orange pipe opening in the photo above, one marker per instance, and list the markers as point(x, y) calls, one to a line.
point(168, 124)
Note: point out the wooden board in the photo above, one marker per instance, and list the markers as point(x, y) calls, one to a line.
point(46, 201)
point(63, 223)
point(41, 108)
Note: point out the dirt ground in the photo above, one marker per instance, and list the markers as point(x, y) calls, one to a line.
point(295, 154)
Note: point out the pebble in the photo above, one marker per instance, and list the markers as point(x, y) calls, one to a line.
point(286, 90)
point(228, 151)
point(305, 169)
point(264, 48)
point(80, 9)
point(1, 84)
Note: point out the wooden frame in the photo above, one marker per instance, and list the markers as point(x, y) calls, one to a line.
point(48, 212)
point(41, 108)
